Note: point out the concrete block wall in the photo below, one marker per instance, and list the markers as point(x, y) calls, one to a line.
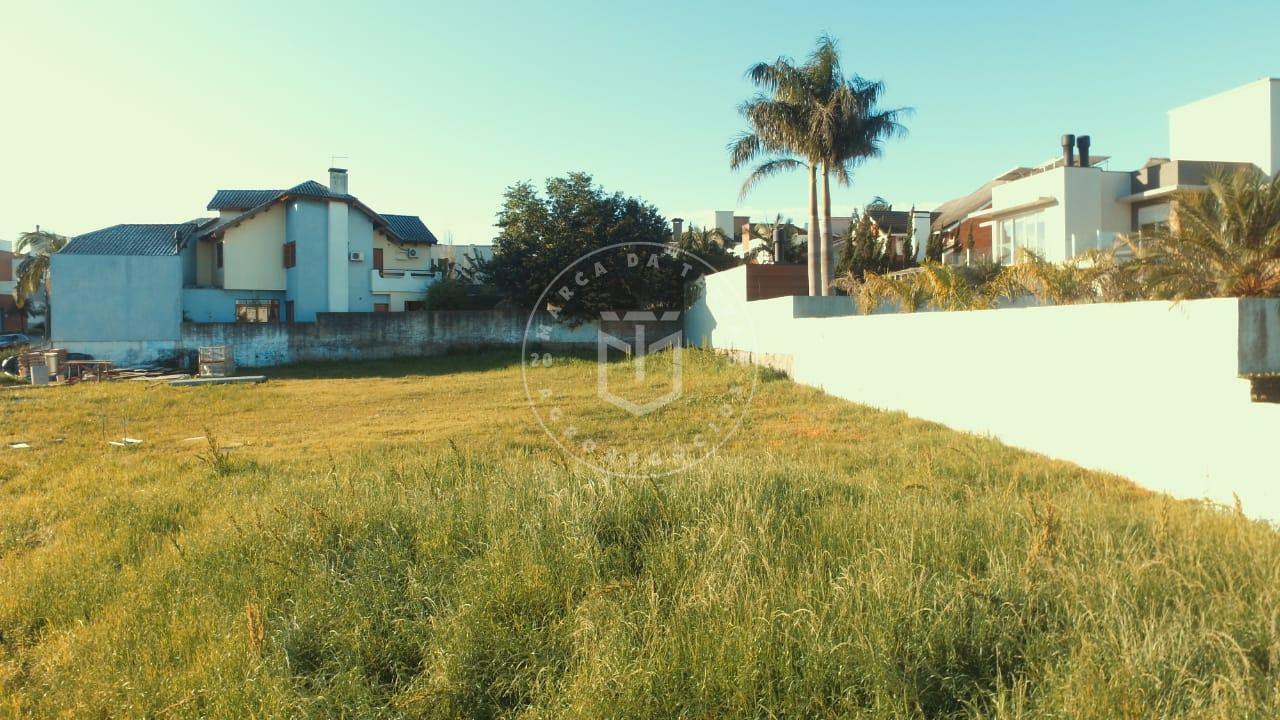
point(357, 336)
point(1148, 390)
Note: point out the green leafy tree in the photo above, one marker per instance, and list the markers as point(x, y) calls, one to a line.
point(933, 251)
point(861, 252)
point(448, 293)
point(543, 233)
point(908, 259)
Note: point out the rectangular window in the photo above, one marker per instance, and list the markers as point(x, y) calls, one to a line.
point(288, 311)
point(381, 307)
point(290, 254)
point(218, 252)
point(377, 259)
point(1005, 242)
point(1026, 232)
point(257, 311)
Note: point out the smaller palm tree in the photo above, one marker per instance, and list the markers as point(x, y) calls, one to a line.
point(949, 288)
point(709, 245)
point(759, 247)
point(906, 294)
point(1051, 283)
point(33, 271)
point(1224, 242)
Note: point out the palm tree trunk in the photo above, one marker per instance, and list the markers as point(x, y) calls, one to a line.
point(48, 302)
point(824, 256)
point(815, 285)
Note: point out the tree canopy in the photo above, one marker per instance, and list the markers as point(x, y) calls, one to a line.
point(542, 234)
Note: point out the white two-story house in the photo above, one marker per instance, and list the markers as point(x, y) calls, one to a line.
point(1072, 205)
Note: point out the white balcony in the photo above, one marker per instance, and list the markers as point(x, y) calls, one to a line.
point(402, 281)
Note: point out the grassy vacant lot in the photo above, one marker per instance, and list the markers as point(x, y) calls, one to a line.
point(400, 539)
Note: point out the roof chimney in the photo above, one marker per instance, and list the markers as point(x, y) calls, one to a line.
point(677, 229)
point(1068, 150)
point(338, 180)
point(1082, 142)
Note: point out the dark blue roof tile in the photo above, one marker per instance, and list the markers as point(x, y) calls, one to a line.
point(405, 228)
point(410, 228)
point(240, 199)
point(145, 239)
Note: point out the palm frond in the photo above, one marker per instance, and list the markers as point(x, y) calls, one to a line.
point(768, 169)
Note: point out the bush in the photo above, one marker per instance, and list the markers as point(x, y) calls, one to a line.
point(448, 294)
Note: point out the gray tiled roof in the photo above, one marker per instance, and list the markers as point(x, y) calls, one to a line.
point(955, 210)
point(240, 199)
point(249, 199)
point(157, 239)
point(405, 228)
point(410, 228)
point(890, 221)
point(311, 187)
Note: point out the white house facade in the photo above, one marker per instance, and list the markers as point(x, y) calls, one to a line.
point(1073, 205)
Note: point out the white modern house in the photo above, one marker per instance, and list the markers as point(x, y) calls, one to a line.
point(1072, 205)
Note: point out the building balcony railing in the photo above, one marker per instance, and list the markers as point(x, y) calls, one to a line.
point(404, 281)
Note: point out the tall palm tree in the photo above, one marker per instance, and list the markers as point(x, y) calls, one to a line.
point(33, 271)
point(780, 121)
point(848, 126)
point(811, 116)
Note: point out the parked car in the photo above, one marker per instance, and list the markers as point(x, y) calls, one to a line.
point(8, 342)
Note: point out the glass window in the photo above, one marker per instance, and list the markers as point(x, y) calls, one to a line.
point(1027, 232)
point(1005, 255)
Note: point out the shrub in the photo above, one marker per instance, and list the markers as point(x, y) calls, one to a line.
point(447, 294)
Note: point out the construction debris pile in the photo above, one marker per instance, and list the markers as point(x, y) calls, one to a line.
point(58, 367)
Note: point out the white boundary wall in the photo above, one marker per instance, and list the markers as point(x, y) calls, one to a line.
point(1148, 390)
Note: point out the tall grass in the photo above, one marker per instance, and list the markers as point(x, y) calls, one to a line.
point(407, 544)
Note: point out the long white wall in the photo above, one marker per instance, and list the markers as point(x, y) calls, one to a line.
point(1148, 390)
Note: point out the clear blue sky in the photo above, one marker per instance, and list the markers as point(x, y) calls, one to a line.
point(132, 112)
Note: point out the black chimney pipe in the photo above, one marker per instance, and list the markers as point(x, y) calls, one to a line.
point(779, 245)
point(1068, 150)
point(1083, 143)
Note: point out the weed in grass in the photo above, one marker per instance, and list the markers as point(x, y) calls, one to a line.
point(255, 629)
point(214, 455)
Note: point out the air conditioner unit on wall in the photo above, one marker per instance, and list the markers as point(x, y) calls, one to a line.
point(356, 257)
point(412, 252)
